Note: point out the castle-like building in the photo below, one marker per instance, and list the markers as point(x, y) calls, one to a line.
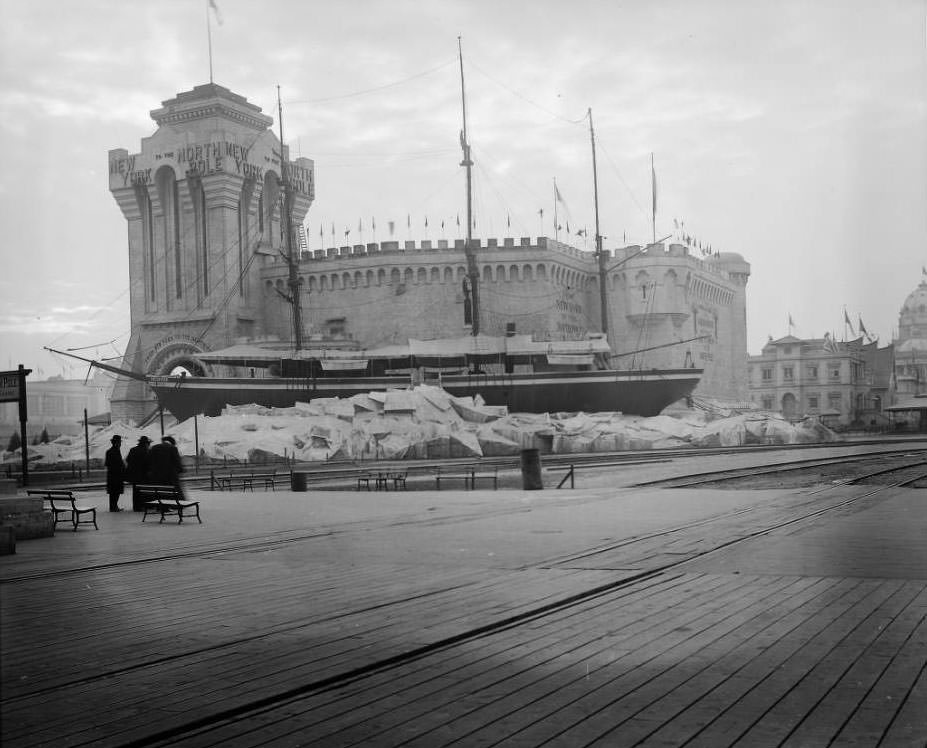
point(208, 269)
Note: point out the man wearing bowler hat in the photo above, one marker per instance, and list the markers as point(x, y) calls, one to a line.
point(115, 473)
point(137, 469)
point(164, 466)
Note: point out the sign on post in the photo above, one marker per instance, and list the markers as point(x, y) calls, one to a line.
point(12, 390)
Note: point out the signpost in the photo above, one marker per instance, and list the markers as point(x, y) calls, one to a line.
point(13, 389)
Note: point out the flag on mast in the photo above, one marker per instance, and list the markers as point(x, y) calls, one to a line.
point(653, 182)
point(862, 327)
point(846, 320)
point(215, 9)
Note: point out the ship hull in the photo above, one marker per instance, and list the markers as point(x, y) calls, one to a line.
point(631, 392)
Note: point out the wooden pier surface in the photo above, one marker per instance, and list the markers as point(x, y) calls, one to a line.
point(606, 615)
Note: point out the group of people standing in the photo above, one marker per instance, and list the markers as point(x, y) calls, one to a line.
point(159, 465)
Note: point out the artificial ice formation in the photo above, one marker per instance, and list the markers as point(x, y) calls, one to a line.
point(427, 422)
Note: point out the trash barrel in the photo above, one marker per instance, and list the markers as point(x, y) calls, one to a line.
point(531, 470)
point(298, 481)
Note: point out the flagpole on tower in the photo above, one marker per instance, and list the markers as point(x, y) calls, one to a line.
point(211, 4)
point(209, 39)
point(556, 227)
point(653, 185)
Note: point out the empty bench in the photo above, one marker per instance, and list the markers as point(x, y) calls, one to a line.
point(246, 481)
point(64, 508)
point(167, 501)
point(469, 476)
point(383, 479)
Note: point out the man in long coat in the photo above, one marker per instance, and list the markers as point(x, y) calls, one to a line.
point(164, 465)
point(137, 469)
point(115, 473)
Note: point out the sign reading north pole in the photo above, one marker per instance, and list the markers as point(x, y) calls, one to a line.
point(12, 390)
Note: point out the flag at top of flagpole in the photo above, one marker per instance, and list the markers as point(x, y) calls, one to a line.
point(215, 9)
point(653, 182)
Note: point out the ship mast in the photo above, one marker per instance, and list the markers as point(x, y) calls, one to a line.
point(599, 253)
point(286, 216)
point(473, 275)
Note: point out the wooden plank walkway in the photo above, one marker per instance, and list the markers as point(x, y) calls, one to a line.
point(474, 618)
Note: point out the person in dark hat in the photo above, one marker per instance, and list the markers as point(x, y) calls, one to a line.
point(115, 473)
point(164, 465)
point(137, 469)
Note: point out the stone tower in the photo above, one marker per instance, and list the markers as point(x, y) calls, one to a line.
point(203, 205)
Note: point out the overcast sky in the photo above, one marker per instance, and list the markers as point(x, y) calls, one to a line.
point(793, 133)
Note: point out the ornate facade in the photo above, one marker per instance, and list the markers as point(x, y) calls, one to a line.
point(847, 383)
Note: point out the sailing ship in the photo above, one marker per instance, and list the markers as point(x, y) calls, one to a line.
point(514, 371)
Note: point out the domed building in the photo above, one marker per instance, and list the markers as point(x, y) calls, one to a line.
point(911, 346)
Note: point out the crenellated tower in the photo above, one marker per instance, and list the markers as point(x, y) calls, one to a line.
point(202, 200)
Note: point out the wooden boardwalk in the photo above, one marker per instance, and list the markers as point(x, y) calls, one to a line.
point(600, 616)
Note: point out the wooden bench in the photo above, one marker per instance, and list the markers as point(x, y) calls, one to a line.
point(166, 500)
point(469, 476)
point(64, 507)
point(383, 479)
point(226, 482)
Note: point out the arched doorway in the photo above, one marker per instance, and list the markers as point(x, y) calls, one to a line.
point(789, 406)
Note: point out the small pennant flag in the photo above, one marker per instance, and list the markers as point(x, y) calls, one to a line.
point(541, 212)
point(791, 321)
point(653, 175)
point(846, 319)
point(557, 194)
point(215, 9)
